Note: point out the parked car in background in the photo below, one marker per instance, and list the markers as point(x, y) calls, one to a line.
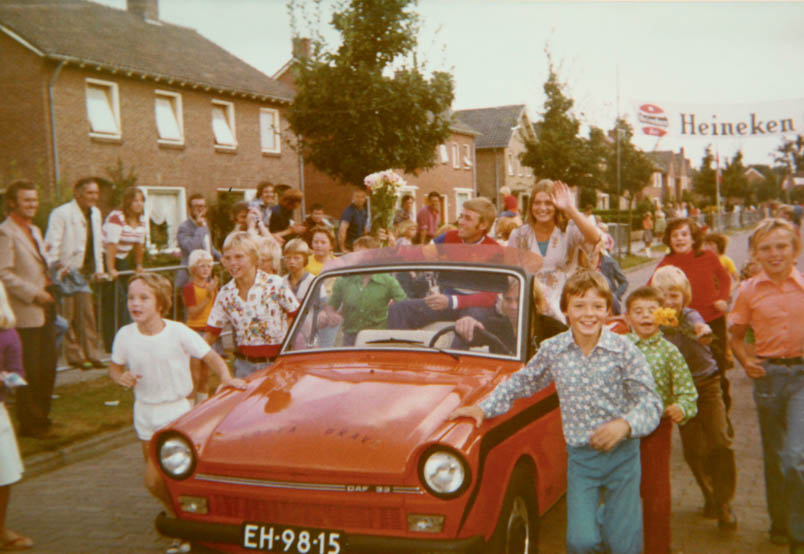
point(342, 447)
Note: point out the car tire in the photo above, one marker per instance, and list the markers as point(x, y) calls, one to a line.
point(517, 530)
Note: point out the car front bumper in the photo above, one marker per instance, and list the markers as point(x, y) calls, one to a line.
point(220, 533)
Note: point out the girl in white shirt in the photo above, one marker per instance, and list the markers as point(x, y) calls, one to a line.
point(152, 356)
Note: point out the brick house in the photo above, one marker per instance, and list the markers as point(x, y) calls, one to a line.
point(85, 85)
point(452, 175)
point(503, 132)
point(671, 177)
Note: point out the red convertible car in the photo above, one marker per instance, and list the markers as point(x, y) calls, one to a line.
point(344, 443)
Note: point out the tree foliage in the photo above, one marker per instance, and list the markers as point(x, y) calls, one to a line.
point(704, 179)
point(790, 154)
point(636, 168)
point(734, 182)
point(558, 152)
point(368, 106)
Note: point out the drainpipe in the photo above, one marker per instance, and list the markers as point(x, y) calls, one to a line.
point(53, 139)
point(301, 177)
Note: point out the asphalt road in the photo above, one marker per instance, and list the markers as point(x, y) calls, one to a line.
point(101, 505)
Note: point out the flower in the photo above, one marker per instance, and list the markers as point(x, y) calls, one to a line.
point(383, 186)
point(666, 317)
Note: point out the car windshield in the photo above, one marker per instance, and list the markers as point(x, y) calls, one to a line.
point(460, 309)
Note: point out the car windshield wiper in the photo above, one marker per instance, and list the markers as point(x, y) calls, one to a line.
point(394, 340)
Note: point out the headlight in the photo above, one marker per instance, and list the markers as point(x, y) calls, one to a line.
point(176, 456)
point(444, 472)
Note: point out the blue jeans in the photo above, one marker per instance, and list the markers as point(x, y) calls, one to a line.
point(613, 477)
point(779, 397)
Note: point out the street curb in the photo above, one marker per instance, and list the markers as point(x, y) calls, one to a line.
point(48, 461)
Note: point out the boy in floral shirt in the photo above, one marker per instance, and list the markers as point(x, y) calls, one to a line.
point(608, 399)
point(675, 387)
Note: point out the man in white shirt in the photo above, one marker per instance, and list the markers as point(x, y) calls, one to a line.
point(75, 246)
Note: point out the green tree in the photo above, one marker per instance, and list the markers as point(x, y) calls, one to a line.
point(770, 188)
point(704, 179)
point(368, 106)
point(635, 168)
point(734, 182)
point(790, 154)
point(558, 152)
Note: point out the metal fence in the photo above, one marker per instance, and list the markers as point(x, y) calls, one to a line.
point(116, 308)
point(715, 222)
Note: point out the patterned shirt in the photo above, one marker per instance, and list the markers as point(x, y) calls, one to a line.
point(613, 381)
point(673, 380)
point(262, 319)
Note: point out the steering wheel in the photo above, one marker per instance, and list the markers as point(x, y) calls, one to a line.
point(486, 338)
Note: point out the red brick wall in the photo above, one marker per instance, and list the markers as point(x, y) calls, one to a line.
point(196, 166)
point(442, 178)
point(24, 134)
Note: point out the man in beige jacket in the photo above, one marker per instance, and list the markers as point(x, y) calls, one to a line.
point(23, 271)
point(75, 243)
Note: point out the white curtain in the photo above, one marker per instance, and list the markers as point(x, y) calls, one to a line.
point(161, 207)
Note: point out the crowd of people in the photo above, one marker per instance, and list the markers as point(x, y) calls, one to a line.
point(670, 367)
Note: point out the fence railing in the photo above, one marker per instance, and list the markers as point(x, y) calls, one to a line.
point(114, 306)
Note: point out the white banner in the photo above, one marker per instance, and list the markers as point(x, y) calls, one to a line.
point(715, 121)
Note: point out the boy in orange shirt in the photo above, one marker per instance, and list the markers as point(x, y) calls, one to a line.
point(771, 303)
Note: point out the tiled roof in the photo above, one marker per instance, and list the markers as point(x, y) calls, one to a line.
point(495, 125)
point(664, 158)
point(113, 39)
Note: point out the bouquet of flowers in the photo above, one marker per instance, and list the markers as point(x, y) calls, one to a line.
point(665, 317)
point(383, 186)
point(669, 319)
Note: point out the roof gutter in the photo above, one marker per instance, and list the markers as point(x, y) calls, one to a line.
point(53, 136)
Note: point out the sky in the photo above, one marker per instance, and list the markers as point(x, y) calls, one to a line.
point(684, 53)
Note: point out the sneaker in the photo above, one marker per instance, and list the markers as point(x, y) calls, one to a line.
point(726, 520)
point(179, 547)
point(779, 536)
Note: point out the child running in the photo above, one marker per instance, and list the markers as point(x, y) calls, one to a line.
point(675, 387)
point(707, 437)
point(608, 399)
point(771, 304)
point(152, 356)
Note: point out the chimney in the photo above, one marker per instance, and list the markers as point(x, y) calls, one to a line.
point(301, 47)
point(146, 9)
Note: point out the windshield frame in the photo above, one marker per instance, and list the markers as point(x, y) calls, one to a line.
point(523, 315)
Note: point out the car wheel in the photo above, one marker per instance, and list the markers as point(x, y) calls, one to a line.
point(517, 530)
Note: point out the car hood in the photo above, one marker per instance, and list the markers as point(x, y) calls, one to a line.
point(346, 417)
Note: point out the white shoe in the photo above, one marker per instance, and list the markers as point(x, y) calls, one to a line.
point(179, 547)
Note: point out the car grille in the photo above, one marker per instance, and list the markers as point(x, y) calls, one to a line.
point(305, 513)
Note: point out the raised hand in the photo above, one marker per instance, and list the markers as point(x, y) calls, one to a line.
point(562, 197)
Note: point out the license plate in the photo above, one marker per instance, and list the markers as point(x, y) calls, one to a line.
point(298, 540)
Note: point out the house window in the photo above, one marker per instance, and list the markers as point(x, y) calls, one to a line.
point(456, 161)
point(467, 156)
point(165, 209)
point(443, 154)
point(461, 196)
point(103, 108)
point(223, 124)
point(169, 120)
point(510, 164)
point(269, 130)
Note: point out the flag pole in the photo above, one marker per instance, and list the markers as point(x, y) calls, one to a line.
point(717, 191)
